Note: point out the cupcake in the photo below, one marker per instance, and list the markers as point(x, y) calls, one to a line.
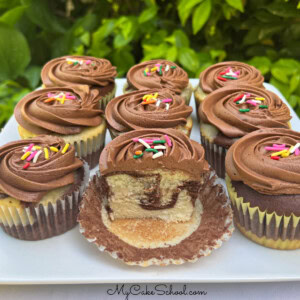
point(97, 73)
point(225, 73)
point(159, 74)
point(41, 184)
point(156, 201)
point(73, 115)
point(231, 112)
point(148, 109)
point(263, 181)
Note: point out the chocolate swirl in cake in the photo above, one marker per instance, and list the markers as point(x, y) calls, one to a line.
point(211, 78)
point(163, 110)
point(59, 110)
point(31, 178)
point(183, 154)
point(224, 109)
point(249, 160)
point(74, 70)
point(167, 75)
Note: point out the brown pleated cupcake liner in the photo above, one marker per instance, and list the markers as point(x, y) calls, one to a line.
point(44, 221)
point(215, 155)
point(216, 226)
point(268, 229)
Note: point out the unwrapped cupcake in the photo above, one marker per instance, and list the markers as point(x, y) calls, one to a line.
point(97, 73)
point(156, 201)
point(231, 112)
point(263, 181)
point(41, 184)
point(148, 109)
point(73, 115)
point(159, 74)
point(224, 74)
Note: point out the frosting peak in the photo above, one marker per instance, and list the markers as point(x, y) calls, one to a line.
point(29, 177)
point(249, 160)
point(158, 74)
point(127, 153)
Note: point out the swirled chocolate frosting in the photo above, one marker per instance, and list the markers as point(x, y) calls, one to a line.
point(249, 160)
point(221, 109)
point(41, 175)
point(130, 111)
point(169, 76)
point(74, 70)
point(60, 110)
point(213, 77)
point(183, 154)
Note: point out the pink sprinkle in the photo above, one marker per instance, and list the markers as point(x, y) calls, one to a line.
point(71, 97)
point(251, 102)
point(87, 62)
point(248, 95)
point(148, 74)
point(168, 141)
point(297, 152)
point(278, 145)
point(29, 147)
point(31, 156)
point(50, 95)
point(228, 69)
point(275, 148)
point(135, 140)
point(157, 65)
point(166, 100)
point(237, 72)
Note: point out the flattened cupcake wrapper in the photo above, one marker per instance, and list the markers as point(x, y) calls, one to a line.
point(215, 155)
point(44, 221)
point(105, 99)
point(216, 226)
point(186, 94)
point(267, 229)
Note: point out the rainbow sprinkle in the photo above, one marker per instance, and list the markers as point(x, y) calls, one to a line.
point(75, 62)
point(228, 74)
point(282, 150)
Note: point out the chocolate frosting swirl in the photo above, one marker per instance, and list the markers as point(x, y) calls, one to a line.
point(31, 184)
point(58, 72)
point(127, 112)
point(184, 154)
point(174, 79)
point(248, 75)
point(219, 109)
point(247, 160)
point(35, 114)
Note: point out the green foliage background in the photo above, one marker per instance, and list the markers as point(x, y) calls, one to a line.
point(194, 33)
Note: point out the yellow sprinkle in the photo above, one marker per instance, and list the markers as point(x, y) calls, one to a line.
point(146, 97)
point(62, 100)
point(155, 95)
point(69, 62)
point(37, 147)
point(54, 149)
point(147, 70)
point(278, 153)
point(25, 155)
point(46, 151)
point(260, 98)
point(153, 69)
point(65, 148)
point(286, 153)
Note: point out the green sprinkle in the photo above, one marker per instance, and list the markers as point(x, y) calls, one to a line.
point(244, 109)
point(173, 67)
point(151, 150)
point(145, 73)
point(138, 156)
point(160, 71)
point(159, 142)
point(238, 102)
point(229, 77)
point(263, 106)
point(75, 63)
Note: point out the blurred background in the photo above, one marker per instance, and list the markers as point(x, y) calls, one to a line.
point(192, 33)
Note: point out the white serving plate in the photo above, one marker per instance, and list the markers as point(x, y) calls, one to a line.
point(69, 258)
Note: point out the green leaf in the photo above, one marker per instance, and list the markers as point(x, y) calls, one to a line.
point(294, 83)
point(284, 89)
point(201, 15)
point(188, 58)
point(124, 60)
point(14, 52)
point(120, 41)
point(179, 39)
point(85, 38)
point(286, 10)
point(172, 54)
point(147, 14)
point(185, 9)
point(294, 100)
point(280, 74)
point(12, 16)
point(237, 4)
point(155, 51)
point(104, 31)
point(32, 74)
point(262, 63)
point(219, 54)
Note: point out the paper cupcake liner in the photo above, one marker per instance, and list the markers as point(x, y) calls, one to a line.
point(186, 94)
point(109, 96)
point(88, 148)
point(216, 226)
point(267, 229)
point(44, 220)
point(215, 155)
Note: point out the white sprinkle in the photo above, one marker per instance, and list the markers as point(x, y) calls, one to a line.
point(71, 59)
point(295, 147)
point(158, 102)
point(81, 62)
point(160, 147)
point(167, 68)
point(167, 106)
point(256, 101)
point(37, 156)
point(158, 154)
point(144, 143)
point(243, 99)
point(231, 73)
